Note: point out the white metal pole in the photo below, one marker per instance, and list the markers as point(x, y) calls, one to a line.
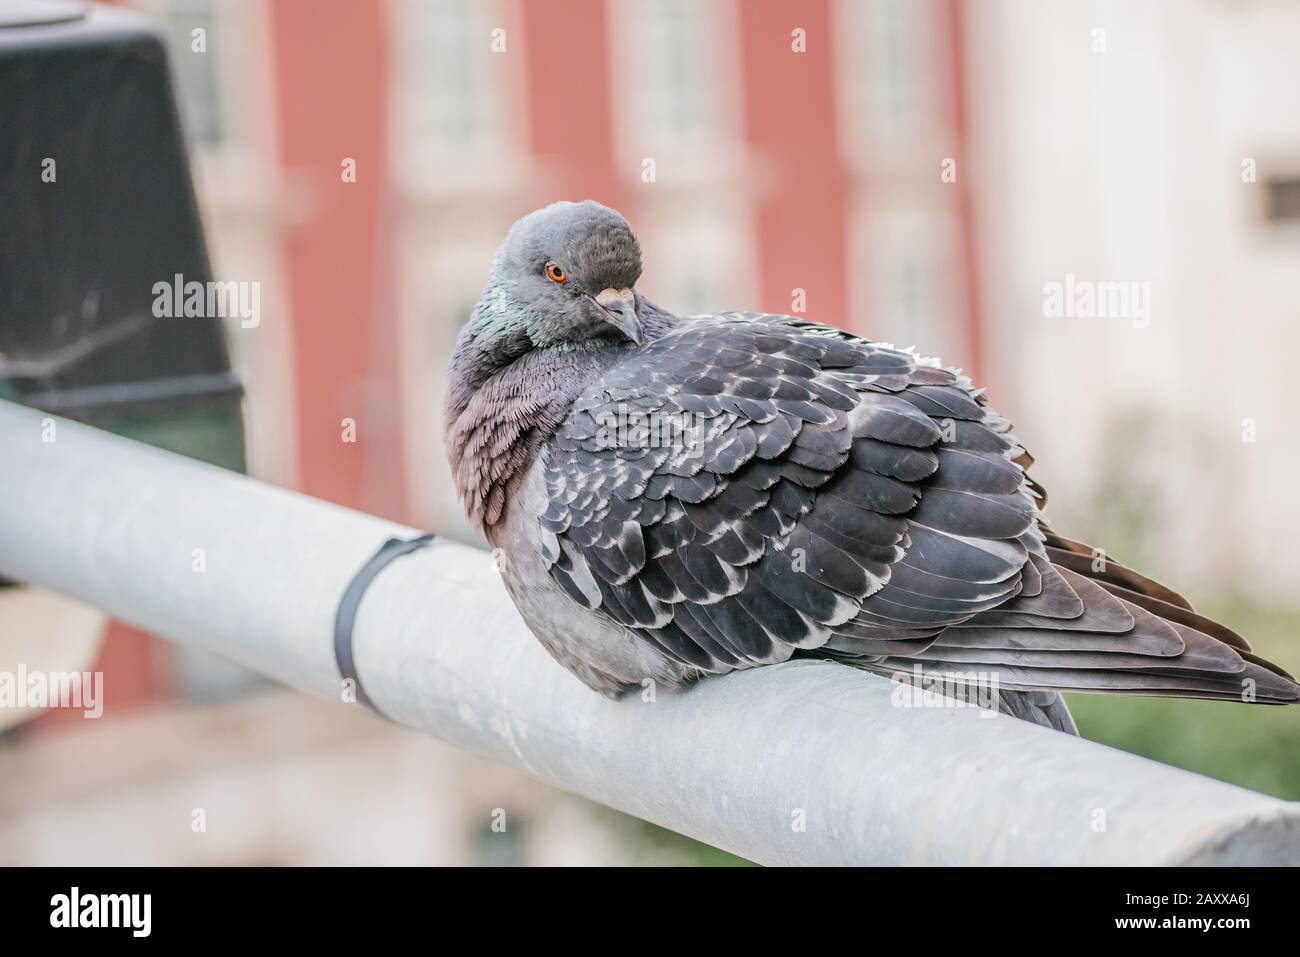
point(803, 763)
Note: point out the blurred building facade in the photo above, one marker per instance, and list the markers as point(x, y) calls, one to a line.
point(914, 170)
point(918, 171)
point(776, 155)
point(1149, 142)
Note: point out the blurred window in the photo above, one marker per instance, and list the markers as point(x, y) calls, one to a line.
point(675, 82)
point(910, 258)
point(892, 74)
point(698, 260)
point(674, 85)
point(1283, 200)
point(448, 89)
point(197, 73)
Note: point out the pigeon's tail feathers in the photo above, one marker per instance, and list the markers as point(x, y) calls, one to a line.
point(1160, 601)
point(1096, 564)
point(1110, 639)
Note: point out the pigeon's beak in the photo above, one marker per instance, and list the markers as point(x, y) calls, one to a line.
point(620, 311)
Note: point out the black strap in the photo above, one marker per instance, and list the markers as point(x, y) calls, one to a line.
point(351, 601)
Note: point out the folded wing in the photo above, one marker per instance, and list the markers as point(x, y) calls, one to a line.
point(751, 487)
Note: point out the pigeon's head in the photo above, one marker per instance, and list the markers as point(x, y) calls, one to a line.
point(564, 274)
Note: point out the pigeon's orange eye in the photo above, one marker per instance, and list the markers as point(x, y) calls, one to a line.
point(554, 273)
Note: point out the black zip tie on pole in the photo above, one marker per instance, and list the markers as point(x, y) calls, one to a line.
point(351, 601)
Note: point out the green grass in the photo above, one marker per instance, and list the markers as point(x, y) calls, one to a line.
point(649, 844)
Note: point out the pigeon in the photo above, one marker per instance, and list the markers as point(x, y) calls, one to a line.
point(674, 497)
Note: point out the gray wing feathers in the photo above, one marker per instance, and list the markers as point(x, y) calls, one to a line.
point(748, 487)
